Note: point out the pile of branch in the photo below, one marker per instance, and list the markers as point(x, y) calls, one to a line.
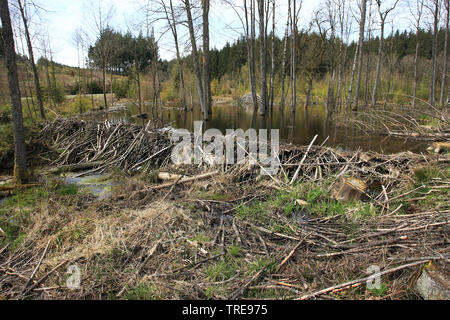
point(106, 145)
point(399, 123)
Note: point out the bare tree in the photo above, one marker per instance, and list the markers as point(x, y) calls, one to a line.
point(445, 64)
point(272, 72)
point(294, 31)
point(198, 76)
point(37, 84)
point(206, 71)
point(383, 15)
point(172, 21)
point(434, 9)
point(263, 56)
point(417, 18)
point(20, 160)
point(99, 18)
point(285, 55)
point(362, 24)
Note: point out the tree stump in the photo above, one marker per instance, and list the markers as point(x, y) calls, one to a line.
point(433, 285)
point(352, 189)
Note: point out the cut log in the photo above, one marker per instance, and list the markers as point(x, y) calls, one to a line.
point(433, 285)
point(166, 176)
point(352, 189)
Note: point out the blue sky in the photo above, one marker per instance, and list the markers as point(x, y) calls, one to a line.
point(64, 17)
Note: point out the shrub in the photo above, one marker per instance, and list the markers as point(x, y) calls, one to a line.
point(121, 88)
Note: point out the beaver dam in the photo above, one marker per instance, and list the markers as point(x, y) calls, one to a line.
point(313, 231)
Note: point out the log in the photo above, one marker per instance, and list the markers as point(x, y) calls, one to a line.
point(166, 176)
point(19, 186)
point(73, 167)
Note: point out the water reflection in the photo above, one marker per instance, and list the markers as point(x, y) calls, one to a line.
point(296, 126)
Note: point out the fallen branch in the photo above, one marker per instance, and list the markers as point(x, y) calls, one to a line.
point(359, 281)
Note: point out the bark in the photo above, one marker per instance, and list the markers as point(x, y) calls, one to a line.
point(362, 24)
point(32, 62)
point(20, 163)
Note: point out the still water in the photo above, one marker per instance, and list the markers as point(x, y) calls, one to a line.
point(299, 128)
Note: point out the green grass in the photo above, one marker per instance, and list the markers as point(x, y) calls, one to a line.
point(142, 291)
point(67, 190)
point(15, 213)
point(320, 203)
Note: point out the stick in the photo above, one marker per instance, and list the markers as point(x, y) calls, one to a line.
point(45, 277)
point(303, 160)
point(241, 290)
point(359, 281)
point(37, 267)
point(170, 184)
point(289, 256)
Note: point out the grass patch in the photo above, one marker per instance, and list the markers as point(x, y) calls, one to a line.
point(142, 291)
point(67, 190)
point(15, 213)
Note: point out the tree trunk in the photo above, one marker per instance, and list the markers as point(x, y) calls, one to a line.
point(283, 71)
point(434, 53)
point(444, 69)
point(416, 58)
point(173, 27)
point(294, 58)
point(105, 100)
point(352, 77)
point(263, 54)
point(377, 75)
point(33, 64)
point(195, 56)
point(206, 71)
point(20, 160)
point(362, 24)
point(272, 72)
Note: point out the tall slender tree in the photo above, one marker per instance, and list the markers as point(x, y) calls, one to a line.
point(206, 70)
point(31, 58)
point(195, 58)
point(417, 17)
point(383, 15)
point(362, 24)
point(263, 56)
point(20, 161)
point(445, 63)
